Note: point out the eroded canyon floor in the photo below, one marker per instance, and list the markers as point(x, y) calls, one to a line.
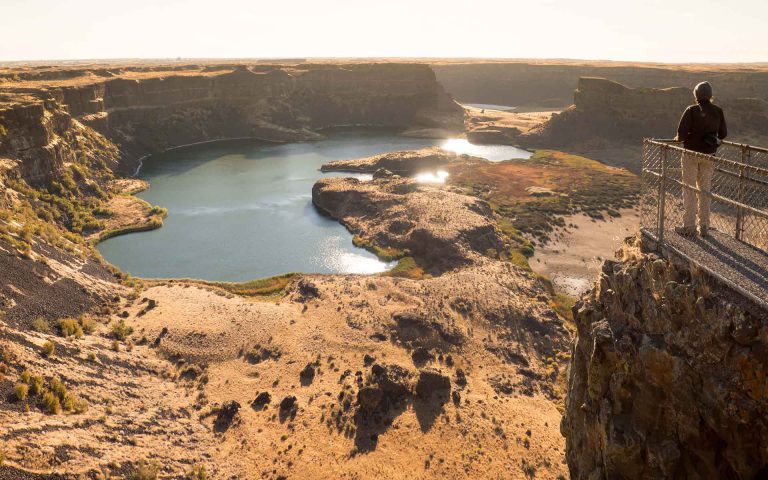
point(449, 366)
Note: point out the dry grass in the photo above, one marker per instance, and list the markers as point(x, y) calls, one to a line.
point(49, 349)
point(145, 471)
point(69, 327)
point(406, 268)
point(20, 391)
point(254, 288)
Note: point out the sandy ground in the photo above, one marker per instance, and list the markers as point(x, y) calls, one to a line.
point(487, 434)
point(572, 260)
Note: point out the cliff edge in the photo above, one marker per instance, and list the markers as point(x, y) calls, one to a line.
point(668, 376)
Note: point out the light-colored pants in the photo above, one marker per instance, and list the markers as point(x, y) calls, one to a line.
point(697, 172)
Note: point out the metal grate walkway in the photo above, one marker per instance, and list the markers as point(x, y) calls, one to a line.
point(739, 266)
point(736, 254)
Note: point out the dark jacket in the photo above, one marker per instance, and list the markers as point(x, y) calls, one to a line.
point(697, 122)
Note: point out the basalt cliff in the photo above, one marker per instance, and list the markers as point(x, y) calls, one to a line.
point(148, 110)
point(668, 376)
point(605, 112)
point(549, 83)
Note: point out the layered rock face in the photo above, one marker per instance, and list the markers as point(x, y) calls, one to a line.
point(520, 83)
point(606, 111)
point(668, 377)
point(144, 114)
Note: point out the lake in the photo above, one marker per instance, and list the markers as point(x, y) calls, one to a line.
point(242, 210)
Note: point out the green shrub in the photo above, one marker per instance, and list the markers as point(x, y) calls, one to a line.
point(68, 327)
point(51, 403)
point(158, 210)
point(120, 330)
point(49, 349)
point(40, 325)
point(20, 391)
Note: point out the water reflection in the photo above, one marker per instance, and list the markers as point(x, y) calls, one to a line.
point(432, 177)
point(333, 256)
point(492, 153)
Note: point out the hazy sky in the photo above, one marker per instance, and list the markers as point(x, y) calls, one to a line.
point(642, 30)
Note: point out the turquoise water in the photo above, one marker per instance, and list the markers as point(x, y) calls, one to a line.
point(243, 210)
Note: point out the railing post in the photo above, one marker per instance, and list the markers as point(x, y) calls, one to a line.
point(745, 153)
point(662, 195)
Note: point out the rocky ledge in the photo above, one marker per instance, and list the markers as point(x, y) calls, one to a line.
point(668, 376)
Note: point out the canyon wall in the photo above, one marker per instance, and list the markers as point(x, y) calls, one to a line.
point(668, 376)
point(552, 84)
point(605, 111)
point(148, 113)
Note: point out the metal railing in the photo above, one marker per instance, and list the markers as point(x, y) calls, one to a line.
point(739, 192)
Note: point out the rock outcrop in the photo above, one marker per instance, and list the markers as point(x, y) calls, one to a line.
point(151, 112)
point(443, 229)
point(668, 377)
point(605, 111)
point(42, 136)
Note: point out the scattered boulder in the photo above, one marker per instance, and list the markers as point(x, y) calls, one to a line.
point(307, 375)
point(260, 353)
point(414, 330)
point(390, 385)
point(307, 289)
point(369, 398)
point(226, 416)
point(288, 403)
point(261, 401)
point(368, 360)
point(461, 378)
point(432, 382)
point(421, 355)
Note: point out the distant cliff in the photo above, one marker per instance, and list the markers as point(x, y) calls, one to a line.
point(147, 112)
point(668, 377)
point(604, 111)
point(550, 83)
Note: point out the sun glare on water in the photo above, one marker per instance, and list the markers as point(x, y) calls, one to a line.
point(432, 177)
point(334, 258)
point(492, 153)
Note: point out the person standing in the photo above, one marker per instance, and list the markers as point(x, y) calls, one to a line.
point(702, 128)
